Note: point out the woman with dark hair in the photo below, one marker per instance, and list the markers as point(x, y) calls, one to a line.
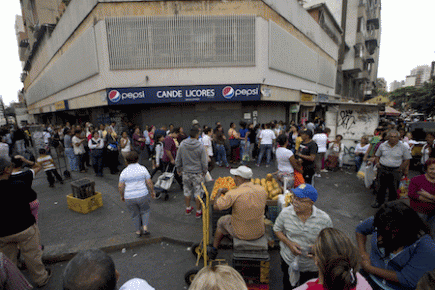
point(337, 259)
point(112, 151)
point(401, 247)
point(134, 186)
point(421, 192)
point(221, 152)
point(287, 162)
point(234, 139)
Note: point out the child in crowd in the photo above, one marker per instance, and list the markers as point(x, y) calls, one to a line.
point(47, 163)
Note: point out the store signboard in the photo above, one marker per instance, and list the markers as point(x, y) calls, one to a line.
point(61, 105)
point(183, 94)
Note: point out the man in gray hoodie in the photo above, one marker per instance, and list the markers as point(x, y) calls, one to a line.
point(191, 163)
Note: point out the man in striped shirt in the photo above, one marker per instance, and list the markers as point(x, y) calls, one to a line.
point(297, 228)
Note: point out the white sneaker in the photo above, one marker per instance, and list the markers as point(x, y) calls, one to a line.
point(317, 175)
point(324, 170)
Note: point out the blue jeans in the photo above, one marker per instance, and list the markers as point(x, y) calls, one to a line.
point(97, 161)
point(358, 162)
point(221, 155)
point(140, 210)
point(268, 149)
point(72, 159)
point(244, 149)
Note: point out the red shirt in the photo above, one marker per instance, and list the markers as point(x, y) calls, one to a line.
point(169, 144)
point(417, 183)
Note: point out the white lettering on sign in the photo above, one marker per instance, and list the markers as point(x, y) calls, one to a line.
point(246, 92)
point(170, 94)
point(200, 93)
point(134, 96)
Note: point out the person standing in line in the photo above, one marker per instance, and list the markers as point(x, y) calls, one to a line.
point(297, 228)
point(125, 145)
point(307, 154)
point(139, 143)
point(191, 163)
point(112, 151)
point(69, 151)
point(287, 162)
point(158, 155)
point(252, 138)
point(392, 159)
point(234, 139)
point(360, 151)
point(428, 149)
point(134, 186)
point(170, 153)
point(321, 140)
point(79, 150)
point(266, 139)
point(221, 152)
point(96, 145)
point(207, 141)
point(244, 142)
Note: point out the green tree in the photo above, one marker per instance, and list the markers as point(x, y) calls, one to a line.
point(421, 99)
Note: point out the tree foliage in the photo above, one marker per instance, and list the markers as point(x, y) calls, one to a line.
point(420, 99)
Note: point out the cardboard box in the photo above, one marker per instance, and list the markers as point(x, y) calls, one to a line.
point(85, 205)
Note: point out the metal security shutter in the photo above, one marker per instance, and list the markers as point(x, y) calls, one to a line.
point(182, 41)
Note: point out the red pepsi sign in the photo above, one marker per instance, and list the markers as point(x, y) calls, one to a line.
point(178, 94)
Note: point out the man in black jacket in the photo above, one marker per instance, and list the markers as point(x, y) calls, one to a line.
point(19, 229)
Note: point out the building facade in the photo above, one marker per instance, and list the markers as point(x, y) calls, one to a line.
point(422, 75)
point(359, 50)
point(164, 62)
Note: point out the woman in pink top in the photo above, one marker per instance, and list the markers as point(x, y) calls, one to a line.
point(338, 262)
point(421, 192)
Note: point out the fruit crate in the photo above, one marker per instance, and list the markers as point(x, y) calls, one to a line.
point(254, 267)
point(83, 188)
point(85, 205)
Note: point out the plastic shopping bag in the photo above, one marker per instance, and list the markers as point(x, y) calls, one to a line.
point(370, 175)
point(402, 191)
point(293, 271)
point(362, 171)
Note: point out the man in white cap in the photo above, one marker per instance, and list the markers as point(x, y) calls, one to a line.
point(248, 202)
point(136, 284)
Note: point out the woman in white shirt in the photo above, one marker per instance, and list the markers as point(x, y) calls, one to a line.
point(125, 144)
point(360, 151)
point(96, 145)
point(287, 162)
point(321, 140)
point(427, 149)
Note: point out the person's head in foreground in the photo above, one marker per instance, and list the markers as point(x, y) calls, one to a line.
point(427, 281)
point(305, 195)
point(241, 174)
point(398, 225)
point(221, 277)
point(90, 270)
point(337, 260)
point(136, 284)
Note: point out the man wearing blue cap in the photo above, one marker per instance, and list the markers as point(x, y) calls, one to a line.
point(297, 228)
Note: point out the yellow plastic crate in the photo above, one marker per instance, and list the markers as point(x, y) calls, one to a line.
point(85, 205)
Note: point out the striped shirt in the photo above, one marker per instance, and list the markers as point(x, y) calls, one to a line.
point(134, 176)
point(304, 234)
point(46, 162)
point(10, 276)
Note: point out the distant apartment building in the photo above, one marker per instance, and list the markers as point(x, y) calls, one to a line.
point(161, 62)
point(396, 85)
point(422, 74)
point(411, 81)
point(359, 49)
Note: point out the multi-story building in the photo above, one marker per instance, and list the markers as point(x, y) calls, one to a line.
point(396, 85)
point(381, 84)
point(359, 50)
point(411, 81)
point(174, 61)
point(422, 73)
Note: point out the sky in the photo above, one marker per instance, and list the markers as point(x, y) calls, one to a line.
point(407, 40)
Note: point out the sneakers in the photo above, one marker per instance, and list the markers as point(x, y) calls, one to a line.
point(47, 280)
point(198, 214)
point(317, 175)
point(189, 210)
point(324, 170)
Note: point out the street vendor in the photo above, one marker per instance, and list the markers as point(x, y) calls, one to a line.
point(248, 202)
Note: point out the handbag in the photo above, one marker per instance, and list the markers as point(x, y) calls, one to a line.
point(113, 147)
point(234, 142)
point(165, 180)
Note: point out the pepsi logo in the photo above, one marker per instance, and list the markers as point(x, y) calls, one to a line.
point(114, 96)
point(228, 92)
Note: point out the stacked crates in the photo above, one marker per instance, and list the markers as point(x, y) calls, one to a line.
point(84, 199)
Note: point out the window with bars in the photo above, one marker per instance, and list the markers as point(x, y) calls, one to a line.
point(181, 41)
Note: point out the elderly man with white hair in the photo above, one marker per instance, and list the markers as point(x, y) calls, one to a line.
point(392, 159)
point(248, 202)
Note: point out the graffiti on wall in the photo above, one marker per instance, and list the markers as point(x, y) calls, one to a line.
point(347, 119)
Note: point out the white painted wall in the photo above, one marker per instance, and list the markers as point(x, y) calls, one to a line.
point(352, 122)
point(260, 73)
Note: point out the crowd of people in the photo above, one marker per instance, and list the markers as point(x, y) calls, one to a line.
point(314, 255)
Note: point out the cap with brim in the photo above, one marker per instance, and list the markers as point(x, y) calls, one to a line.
point(136, 284)
point(305, 191)
point(242, 171)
